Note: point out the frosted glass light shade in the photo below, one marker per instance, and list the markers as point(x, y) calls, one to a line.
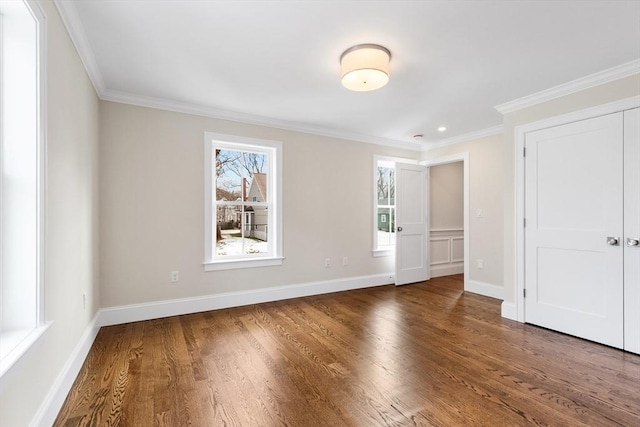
point(365, 67)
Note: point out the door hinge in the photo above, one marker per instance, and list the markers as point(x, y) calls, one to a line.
point(524, 222)
point(524, 151)
point(524, 293)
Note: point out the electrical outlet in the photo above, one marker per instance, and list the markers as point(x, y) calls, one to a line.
point(175, 276)
point(327, 262)
point(480, 264)
point(345, 261)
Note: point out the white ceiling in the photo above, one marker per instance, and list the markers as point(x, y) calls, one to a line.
point(277, 62)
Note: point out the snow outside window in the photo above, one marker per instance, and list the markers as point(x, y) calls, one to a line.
point(243, 202)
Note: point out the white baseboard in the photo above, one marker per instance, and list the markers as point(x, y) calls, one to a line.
point(486, 289)
point(446, 270)
point(509, 310)
point(155, 310)
point(54, 400)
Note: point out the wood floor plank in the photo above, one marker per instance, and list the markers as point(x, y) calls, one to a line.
point(426, 354)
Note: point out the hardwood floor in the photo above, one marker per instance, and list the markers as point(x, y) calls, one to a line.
point(422, 354)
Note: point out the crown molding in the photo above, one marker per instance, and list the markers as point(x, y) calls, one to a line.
point(494, 130)
point(69, 15)
point(205, 111)
point(596, 79)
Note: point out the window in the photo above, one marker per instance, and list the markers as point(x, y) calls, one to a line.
point(21, 178)
point(384, 205)
point(385, 233)
point(242, 202)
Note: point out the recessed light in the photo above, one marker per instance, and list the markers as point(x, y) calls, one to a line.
point(442, 129)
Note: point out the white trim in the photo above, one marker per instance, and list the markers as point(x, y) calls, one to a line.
point(464, 158)
point(23, 346)
point(452, 239)
point(233, 264)
point(486, 289)
point(446, 270)
point(517, 312)
point(73, 24)
point(508, 310)
point(49, 408)
point(446, 230)
point(41, 18)
point(494, 130)
point(205, 111)
point(158, 309)
point(599, 78)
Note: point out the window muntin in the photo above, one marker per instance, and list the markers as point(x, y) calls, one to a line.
point(243, 206)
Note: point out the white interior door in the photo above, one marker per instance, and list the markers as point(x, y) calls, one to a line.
point(573, 204)
point(412, 258)
point(631, 230)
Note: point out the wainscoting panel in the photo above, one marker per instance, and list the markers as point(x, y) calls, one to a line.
point(447, 251)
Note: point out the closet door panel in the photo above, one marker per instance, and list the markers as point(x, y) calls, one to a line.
point(573, 205)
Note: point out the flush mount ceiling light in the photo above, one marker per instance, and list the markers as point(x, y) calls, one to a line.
point(365, 67)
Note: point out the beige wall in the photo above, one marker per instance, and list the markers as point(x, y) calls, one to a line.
point(71, 227)
point(592, 97)
point(152, 213)
point(486, 193)
point(446, 202)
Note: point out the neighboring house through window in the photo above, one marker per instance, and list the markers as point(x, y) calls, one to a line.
point(22, 177)
point(243, 202)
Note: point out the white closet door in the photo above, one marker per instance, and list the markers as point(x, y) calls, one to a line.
point(573, 202)
point(632, 230)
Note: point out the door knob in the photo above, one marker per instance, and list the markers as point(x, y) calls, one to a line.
point(613, 241)
point(633, 241)
point(399, 228)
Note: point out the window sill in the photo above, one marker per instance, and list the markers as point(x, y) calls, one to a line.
point(383, 252)
point(19, 343)
point(242, 263)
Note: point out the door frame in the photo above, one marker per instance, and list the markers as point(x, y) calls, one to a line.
point(516, 310)
point(464, 158)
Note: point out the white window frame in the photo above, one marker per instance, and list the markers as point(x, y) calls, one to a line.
point(274, 182)
point(390, 162)
point(16, 343)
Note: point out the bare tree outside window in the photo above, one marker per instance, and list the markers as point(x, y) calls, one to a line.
point(242, 215)
point(386, 206)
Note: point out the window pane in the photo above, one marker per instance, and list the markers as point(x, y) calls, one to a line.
point(241, 175)
point(383, 186)
point(228, 233)
point(386, 226)
point(255, 230)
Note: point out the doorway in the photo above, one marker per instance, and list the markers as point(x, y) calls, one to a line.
point(448, 220)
